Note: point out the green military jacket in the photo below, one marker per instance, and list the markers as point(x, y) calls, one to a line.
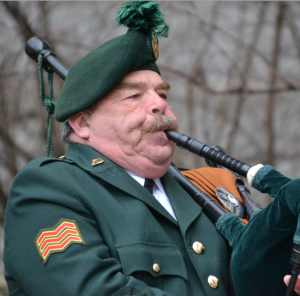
point(73, 228)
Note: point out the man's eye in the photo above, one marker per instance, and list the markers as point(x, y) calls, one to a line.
point(135, 96)
point(163, 96)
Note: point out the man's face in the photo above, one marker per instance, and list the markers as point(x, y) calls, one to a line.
point(118, 126)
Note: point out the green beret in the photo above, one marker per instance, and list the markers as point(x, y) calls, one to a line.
point(99, 72)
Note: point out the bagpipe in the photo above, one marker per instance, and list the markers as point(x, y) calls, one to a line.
point(263, 250)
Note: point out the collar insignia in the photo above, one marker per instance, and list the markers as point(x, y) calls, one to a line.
point(97, 161)
point(58, 238)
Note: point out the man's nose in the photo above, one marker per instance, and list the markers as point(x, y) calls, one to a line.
point(158, 104)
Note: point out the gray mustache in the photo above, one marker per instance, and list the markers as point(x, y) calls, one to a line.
point(161, 122)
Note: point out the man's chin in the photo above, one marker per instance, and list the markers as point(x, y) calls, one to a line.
point(161, 154)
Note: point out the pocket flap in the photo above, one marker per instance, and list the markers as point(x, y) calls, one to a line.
point(142, 256)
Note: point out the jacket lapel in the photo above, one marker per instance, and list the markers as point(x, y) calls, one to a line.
point(185, 208)
point(111, 173)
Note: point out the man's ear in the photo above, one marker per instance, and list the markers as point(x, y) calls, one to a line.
point(79, 124)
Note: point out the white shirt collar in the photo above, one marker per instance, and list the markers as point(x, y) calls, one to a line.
point(158, 192)
point(141, 180)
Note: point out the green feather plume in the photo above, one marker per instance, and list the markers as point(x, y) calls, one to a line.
point(143, 15)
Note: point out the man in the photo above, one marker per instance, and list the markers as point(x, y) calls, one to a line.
point(84, 224)
point(130, 239)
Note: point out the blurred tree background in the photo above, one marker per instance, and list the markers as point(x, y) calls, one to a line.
point(233, 68)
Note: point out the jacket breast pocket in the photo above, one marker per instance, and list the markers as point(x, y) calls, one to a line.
point(158, 265)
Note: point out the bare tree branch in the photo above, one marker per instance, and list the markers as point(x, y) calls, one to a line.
point(25, 30)
point(270, 155)
point(203, 22)
point(4, 136)
point(293, 28)
point(237, 90)
point(247, 65)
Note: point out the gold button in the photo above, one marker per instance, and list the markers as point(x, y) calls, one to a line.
point(62, 157)
point(198, 247)
point(213, 281)
point(156, 267)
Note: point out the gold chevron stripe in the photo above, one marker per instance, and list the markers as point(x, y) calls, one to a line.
point(62, 247)
point(54, 231)
point(58, 238)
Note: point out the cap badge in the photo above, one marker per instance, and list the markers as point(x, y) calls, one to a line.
point(155, 49)
point(58, 238)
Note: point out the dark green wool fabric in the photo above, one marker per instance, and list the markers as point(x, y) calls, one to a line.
point(262, 249)
point(99, 72)
point(125, 229)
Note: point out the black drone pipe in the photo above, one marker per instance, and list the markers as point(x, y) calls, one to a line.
point(35, 46)
point(208, 153)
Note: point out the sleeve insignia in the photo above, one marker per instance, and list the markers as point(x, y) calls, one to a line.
point(58, 238)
